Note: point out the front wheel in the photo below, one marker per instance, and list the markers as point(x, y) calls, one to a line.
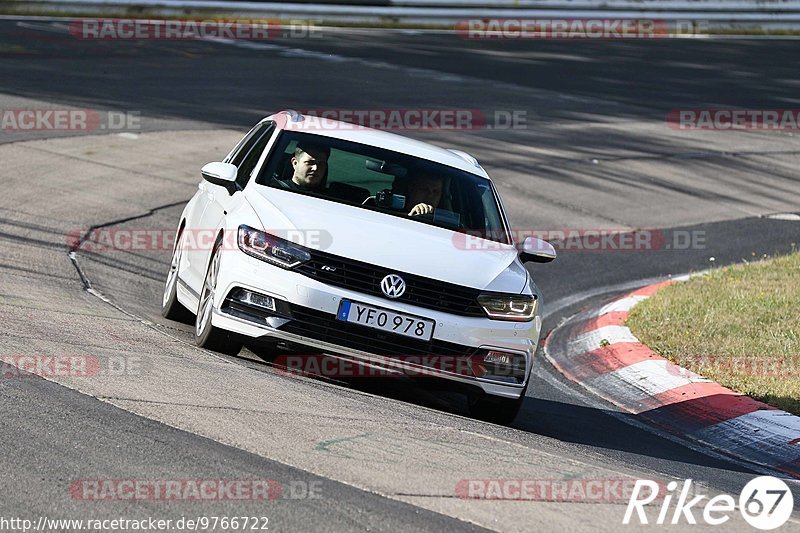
point(495, 409)
point(206, 335)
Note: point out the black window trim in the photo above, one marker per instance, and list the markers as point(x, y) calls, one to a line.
point(263, 130)
point(242, 142)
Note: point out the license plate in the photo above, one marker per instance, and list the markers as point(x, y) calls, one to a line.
point(385, 320)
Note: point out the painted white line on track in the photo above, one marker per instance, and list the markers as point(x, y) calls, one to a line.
point(569, 301)
point(53, 28)
point(776, 429)
point(794, 217)
point(436, 75)
point(605, 336)
point(655, 376)
point(624, 304)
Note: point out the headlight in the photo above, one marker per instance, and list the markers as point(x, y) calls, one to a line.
point(517, 307)
point(270, 248)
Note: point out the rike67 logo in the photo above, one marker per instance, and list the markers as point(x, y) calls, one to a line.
point(765, 503)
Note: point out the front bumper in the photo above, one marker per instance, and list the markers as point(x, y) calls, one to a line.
point(306, 316)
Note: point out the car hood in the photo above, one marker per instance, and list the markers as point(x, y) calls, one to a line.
point(385, 240)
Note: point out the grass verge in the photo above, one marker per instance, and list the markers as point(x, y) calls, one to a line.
point(739, 326)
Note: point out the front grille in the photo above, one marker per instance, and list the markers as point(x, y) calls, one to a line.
point(366, 278)
point(324, 327)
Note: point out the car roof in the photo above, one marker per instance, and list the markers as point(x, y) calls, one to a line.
point(294, 121)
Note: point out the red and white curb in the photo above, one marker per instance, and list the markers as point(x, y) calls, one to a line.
point(597, 351)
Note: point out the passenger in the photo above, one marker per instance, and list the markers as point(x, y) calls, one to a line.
point(424, 193)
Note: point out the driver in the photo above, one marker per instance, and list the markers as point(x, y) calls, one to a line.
point(310, 164)
point(424, 193)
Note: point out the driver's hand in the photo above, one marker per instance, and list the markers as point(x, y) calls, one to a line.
point(421, 209)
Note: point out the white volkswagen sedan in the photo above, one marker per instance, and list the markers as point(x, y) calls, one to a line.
point(363, 245)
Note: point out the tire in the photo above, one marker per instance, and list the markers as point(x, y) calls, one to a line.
point(495, 409)
point(205, 334)
point(171, 308)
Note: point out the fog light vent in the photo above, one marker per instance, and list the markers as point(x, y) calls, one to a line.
point(506, 367)
point(256, 300)
point(498, 358)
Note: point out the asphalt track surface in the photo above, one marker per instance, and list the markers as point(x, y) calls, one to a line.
point(595, 153)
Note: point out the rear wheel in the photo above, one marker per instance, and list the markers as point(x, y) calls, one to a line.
point(206, 335)
point(171, 308)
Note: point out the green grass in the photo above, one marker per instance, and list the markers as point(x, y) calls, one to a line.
point(739, 326)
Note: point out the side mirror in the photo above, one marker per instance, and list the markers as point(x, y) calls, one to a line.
point(222, 174)
point(536, 251)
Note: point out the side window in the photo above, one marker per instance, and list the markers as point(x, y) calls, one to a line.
point(244, 145)
point(247, 158)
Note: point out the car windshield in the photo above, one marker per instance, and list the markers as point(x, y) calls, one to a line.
point(382, 180)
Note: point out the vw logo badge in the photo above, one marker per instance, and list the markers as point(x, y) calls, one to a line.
point(393, 286)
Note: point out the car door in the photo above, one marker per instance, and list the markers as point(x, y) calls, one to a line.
point(220, 201)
